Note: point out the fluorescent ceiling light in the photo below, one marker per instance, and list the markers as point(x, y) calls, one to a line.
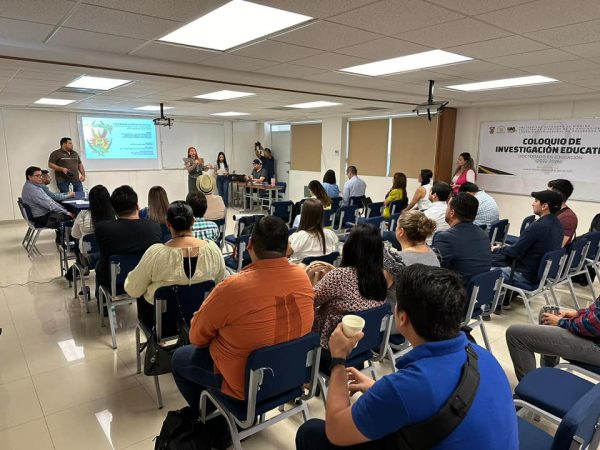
point(53, 101)
point(233, 24)
point(224, 95)
point(501, 84)
point(152, 108)
point(318, 104)
point(230, 114)
point(97, 83)
point(407, 63)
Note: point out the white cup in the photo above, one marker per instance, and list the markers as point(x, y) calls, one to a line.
point(352, 325)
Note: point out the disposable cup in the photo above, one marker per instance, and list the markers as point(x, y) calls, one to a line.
point(352, 324)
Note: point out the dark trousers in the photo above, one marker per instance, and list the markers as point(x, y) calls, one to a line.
point(145, 313)
point(193, 371)
point(63, 186)
point(311, 436)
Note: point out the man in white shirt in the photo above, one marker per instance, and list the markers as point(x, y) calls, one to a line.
point(440, 191)
point(354, 187)
point(488, 211)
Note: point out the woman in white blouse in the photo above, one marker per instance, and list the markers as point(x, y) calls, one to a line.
point(311, 239)
point(100, 209)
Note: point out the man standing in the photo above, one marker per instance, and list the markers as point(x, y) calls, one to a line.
point(430, 308)
point(354, 187)
point(67, 167)
point(56, 196)
point(487, 212)
point(465, 247)
point(45, 211)
point(567, 217)
point(440, 191)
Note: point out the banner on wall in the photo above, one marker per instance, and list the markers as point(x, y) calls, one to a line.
point(518, 157)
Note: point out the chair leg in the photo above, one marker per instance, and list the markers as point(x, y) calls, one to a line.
point(86, 298)
point(101, 304)
point(322, 383)
point(32, 247)
point(158, 393)
point(138, 350)
point(74, 275)
point(590, 284)
point(528, 307)
point(305, 412)
point(112, 321)
point(486, 340)
point(573, 294)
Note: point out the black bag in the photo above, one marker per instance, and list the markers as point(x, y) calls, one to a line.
point(595, 225)
point(181, 430)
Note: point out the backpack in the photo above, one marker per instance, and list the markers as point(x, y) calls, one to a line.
point(181, 430)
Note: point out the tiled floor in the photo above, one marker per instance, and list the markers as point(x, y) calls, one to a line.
point(63, 387)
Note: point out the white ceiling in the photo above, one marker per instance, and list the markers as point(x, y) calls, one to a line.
point(44, 44)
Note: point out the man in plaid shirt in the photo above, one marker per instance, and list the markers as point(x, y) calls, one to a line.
point(487, 212)
point(572, 335)
point(202, 228)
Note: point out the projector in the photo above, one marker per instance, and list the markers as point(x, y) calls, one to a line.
point(430, 107)
point(163, 121)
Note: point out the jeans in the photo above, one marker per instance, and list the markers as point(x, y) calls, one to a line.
point(223, 187)
point(551, 342)
point(311, 436)
point(193, 371)
point(517, 277)
point(63, 186)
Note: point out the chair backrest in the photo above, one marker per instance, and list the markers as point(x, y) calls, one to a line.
point(483, 290)
point(398, 206)
point(282, 368)
point(375, 221)
point(393, 221)
point(245, 221)
point(330, 258)
point(120, 266)
point(169, 311)
point(551, 265)
point(526, 222)
point(64, 229)
point(578, 426)
point(577, 251)
point(498, 231)
point(222, 224)
point(374, 209)
point(25, 210)
point(356, 201)
point(283, 210)
point(335, 203)
point(327, 217)
point(89, 244)
point(593, 237)
point(283, 186)
point(376, 323)
point(242, 254)
point(346, 214)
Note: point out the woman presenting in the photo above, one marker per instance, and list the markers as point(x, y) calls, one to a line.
point(464, 172)
point(194, 165)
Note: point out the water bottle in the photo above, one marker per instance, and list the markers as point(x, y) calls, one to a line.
point(70, 188)
point(85, 193)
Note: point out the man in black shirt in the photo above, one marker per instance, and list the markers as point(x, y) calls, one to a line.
point(125, 236)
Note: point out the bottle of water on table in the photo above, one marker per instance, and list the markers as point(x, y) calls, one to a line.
point(70, 188)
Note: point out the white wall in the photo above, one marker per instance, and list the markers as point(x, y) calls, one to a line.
point(27, 137)
point(516, 207)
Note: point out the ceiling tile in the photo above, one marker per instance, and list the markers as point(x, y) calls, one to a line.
point(17, 30)
point(236, 62)
point(331, 61)
point(352, 80)
point(326, 36)
point(157, 50)
point(41, 11)
point(498, 75)
point(467, 68)
point(64, 77)
point(276, 51)
point(474, 7)
point(589, 50)
point(393, 16)
point(180, 10)
point(423, 75)
point(292, 71)
point(68, 37)
point(317, 9)
point(510, 45)
point(534, 58)
point(119, 23)
point(558, 68)
point(588, 74)
point(457, 32)
point(569, 35)
point(543, 14)
point(383, 48)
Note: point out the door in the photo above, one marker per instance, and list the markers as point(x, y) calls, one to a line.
point(280, 146)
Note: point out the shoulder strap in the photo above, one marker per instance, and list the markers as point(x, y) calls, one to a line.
point(427, 434)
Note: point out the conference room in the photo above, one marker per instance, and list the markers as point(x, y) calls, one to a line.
point(272, 95)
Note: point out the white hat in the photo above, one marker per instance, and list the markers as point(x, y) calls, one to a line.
point(205, 184)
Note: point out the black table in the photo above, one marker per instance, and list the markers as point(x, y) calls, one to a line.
point(77, 203)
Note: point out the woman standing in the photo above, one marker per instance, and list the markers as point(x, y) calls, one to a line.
point(464, 172)
point(194, 165)
point(223, 177)
point(311, 239)
point(421, 197)
point(398, 192)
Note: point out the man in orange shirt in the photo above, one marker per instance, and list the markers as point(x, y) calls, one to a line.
point(269, 302)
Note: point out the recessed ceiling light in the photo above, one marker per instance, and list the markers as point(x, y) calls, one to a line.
point(224, 95)
point(53, 101)
point(318, 104)
point(230, 114)
point(233, 24)
point(96, 83)
point(407, 63)
point(501, 84)
point(152, 108)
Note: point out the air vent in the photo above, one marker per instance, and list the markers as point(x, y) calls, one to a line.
point(81, 91)
point(197, 100)
point(282, 108)
point(370, 108)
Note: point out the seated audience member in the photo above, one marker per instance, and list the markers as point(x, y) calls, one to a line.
point(431, 305)
point(465, 248)
point(572, 335)
point(45, 211)
point(241, 315)
point(354, 187)
point(215, 207)
point(158, 203)
point(357, 285)
point(542, 236)
point(100, 209)
point(182, 260)
point(127, 235)
point(318, 192)
point(330, 185)
point(396, 193)
point(202, 228)
point(421, 197)
point(440, 191)
point(311, 239)
point(56, 196)
point(567, 217)
point(487, 212)
point(412, 230)
point(259, 173)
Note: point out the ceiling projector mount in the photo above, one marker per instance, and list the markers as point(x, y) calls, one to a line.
point(162, 120)
point(430, 107)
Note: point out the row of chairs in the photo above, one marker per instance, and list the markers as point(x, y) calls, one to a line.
point(33, 231)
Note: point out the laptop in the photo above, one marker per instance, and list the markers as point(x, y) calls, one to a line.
point(237, 177)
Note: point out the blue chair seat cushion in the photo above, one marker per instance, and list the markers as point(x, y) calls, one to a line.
point(239, 407)
point(552, 390)
point(343, 238)
point(526, 286)
point(532, 438)
point(397, 339)
point(231, 239)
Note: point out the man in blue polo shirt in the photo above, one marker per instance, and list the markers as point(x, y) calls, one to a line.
point(430, 307)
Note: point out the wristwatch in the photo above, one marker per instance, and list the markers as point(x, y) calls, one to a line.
point(336, 362)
